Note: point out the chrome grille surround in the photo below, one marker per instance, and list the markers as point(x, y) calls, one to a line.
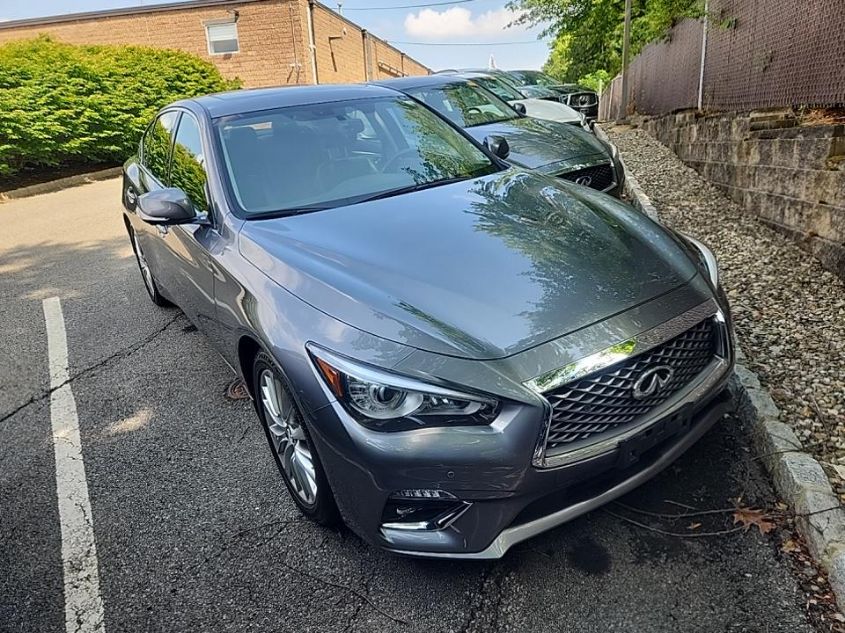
point(720, 361)
point(602, 177)
point(605, 401)
point(582, 99)
point(598, 165)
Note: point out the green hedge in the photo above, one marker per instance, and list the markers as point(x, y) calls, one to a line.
point(66, 104)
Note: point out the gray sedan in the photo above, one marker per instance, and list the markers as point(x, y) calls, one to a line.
point(550, 147)
point(449, 353)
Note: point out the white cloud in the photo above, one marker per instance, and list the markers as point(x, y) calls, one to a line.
point(457, 23)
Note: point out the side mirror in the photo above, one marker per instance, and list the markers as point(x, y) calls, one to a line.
point(166, 206)
point(519, 107)
point(498, 145)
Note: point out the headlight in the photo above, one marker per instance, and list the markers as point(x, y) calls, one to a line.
point(384, 401)
point(706, 259)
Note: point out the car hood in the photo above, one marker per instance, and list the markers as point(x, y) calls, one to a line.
point(550, 110)
point(479, 269)
point(543, 145)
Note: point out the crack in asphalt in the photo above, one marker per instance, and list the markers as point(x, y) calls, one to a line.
point(330, 583)
point(124, 352)
point(486, 606)
point(359, 607)
point(229, 540)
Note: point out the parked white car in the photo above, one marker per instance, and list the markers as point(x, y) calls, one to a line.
point(535, 108)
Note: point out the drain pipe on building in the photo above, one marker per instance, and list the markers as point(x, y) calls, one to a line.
point(311, 44)
point(797, 476)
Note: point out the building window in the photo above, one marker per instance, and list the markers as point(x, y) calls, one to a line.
point(222, 38)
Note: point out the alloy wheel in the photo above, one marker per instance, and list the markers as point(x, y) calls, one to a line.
point(288, 437)
point(146, 273)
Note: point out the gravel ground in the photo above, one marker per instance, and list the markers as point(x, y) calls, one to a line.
point(789, 312)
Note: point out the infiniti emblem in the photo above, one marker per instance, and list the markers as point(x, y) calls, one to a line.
point(653, 381)
point(584, 180)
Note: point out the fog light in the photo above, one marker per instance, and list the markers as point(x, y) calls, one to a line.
point(422, 493)
point(421, 509)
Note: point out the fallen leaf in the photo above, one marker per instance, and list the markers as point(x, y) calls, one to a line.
point(790, 546)
point(237, 390)
point(751, 516)
point(693, 526)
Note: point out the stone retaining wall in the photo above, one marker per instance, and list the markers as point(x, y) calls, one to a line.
point(791, 177)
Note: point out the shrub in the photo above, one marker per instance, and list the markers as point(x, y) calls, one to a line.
point(62, 103)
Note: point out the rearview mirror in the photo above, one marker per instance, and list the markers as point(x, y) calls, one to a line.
point(166, 206)
point(519, 107)
point(498, 145)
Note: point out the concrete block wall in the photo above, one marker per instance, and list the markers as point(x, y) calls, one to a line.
point(273, 44)
point(273, 39)
point(340, 48)
point(347, 54)
point(792, 177)
point(390, 62)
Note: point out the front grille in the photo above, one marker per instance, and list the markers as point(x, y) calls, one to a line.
point(599, 176)
point(604, 401)
point(582, 99)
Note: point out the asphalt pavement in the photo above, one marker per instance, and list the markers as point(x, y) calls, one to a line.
point(193, 527)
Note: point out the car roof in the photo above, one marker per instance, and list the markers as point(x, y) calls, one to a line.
point(252, 100)
point(472, 74)
point(453, 71)
point(407, 83)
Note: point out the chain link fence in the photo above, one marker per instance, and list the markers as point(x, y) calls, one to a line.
point(758, 54)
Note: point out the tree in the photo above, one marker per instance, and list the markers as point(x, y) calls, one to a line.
point(70, 104)
point(588, 33)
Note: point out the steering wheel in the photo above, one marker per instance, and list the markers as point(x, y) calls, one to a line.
point(405, 153)
point(473, 111)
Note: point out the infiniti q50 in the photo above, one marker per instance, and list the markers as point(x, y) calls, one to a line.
point(447, 352)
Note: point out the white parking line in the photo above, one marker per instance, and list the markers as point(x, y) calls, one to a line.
point(83, 603)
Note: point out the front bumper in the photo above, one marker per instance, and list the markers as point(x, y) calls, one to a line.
point(590, 112)
point(492, 468)
point(566, 504)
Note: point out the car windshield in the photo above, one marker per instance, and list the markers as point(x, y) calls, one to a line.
point(466, 104)
point(500, 88)
point(319, 156)
point(539, 92)
point(533, 78)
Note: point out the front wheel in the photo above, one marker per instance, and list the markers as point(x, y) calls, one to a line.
point(146, 273)
point(291, 444)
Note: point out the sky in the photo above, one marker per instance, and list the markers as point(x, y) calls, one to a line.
point(436, 35)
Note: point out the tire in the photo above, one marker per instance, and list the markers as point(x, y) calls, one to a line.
point(146, 273)
point(291, 444)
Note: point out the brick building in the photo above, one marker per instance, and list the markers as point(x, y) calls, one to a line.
point(263, 42)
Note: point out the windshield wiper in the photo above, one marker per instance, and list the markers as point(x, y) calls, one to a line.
point(282, 213)
point(411, 188)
